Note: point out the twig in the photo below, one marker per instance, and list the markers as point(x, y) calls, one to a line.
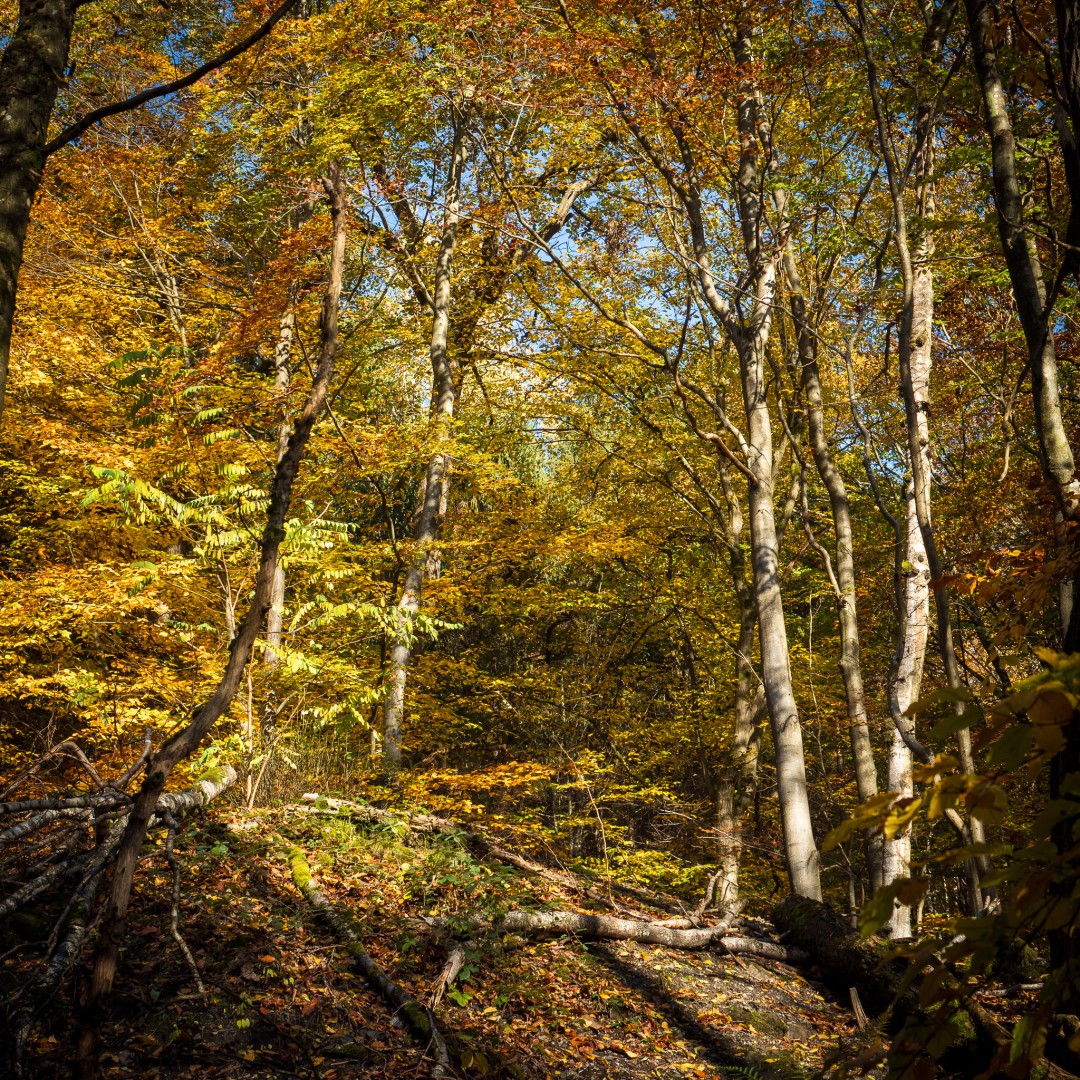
point(174, 914)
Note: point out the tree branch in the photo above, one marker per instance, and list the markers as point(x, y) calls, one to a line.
point(70, 134)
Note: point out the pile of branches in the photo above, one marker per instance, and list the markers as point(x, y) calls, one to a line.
point(56, 849)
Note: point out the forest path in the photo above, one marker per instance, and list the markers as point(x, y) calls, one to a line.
point(284, 998)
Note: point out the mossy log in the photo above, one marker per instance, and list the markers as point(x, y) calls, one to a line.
point(418, 1021)
point(845, 959)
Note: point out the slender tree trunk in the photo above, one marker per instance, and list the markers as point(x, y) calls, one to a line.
point(282, 377)
point(185, 742)
point(916, 362)
point(1025, 274)
point(738, 784)
point(31, 71)
point(916, 342)
point(907, 681)
point(444, 397)
point(862, 750)
point(738, 788)
point(799, 845)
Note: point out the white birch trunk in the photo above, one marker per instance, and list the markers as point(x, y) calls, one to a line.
point(907, 683)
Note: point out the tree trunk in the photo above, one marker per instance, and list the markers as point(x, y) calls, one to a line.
point(609, 928)
point(799, 845)
point(862, 750)
point(282, 376)
point(1025, 274)
point(444, 398)
point(1029, 292)
point(184, 742)
point(915, 341)
point(738, 783)
point(914, 631)
point(916, 365)
point(31, 71)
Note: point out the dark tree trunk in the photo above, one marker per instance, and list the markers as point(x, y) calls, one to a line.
point(31, 72)
point(845, 960)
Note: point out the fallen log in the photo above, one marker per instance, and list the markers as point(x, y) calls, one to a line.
point(207, 788)
point(419, 1020)
point(845, 959)
point(610, 928)
point(685, 933)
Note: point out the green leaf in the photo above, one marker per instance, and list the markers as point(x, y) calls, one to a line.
point(878, 910)
point(947, 694)
point(1012, 747)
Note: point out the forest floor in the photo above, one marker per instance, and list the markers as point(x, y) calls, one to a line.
point(283, 997)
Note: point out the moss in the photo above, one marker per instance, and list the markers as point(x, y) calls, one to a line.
point(298, 865)
point(360, 1053)
point(416, 1018)
point(215, 774)
point(965, 1027)
point(766, 1023)
point(785, 1064)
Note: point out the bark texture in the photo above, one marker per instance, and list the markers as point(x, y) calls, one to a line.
point(31, 71)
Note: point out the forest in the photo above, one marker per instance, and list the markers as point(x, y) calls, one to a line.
point(540, 538)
